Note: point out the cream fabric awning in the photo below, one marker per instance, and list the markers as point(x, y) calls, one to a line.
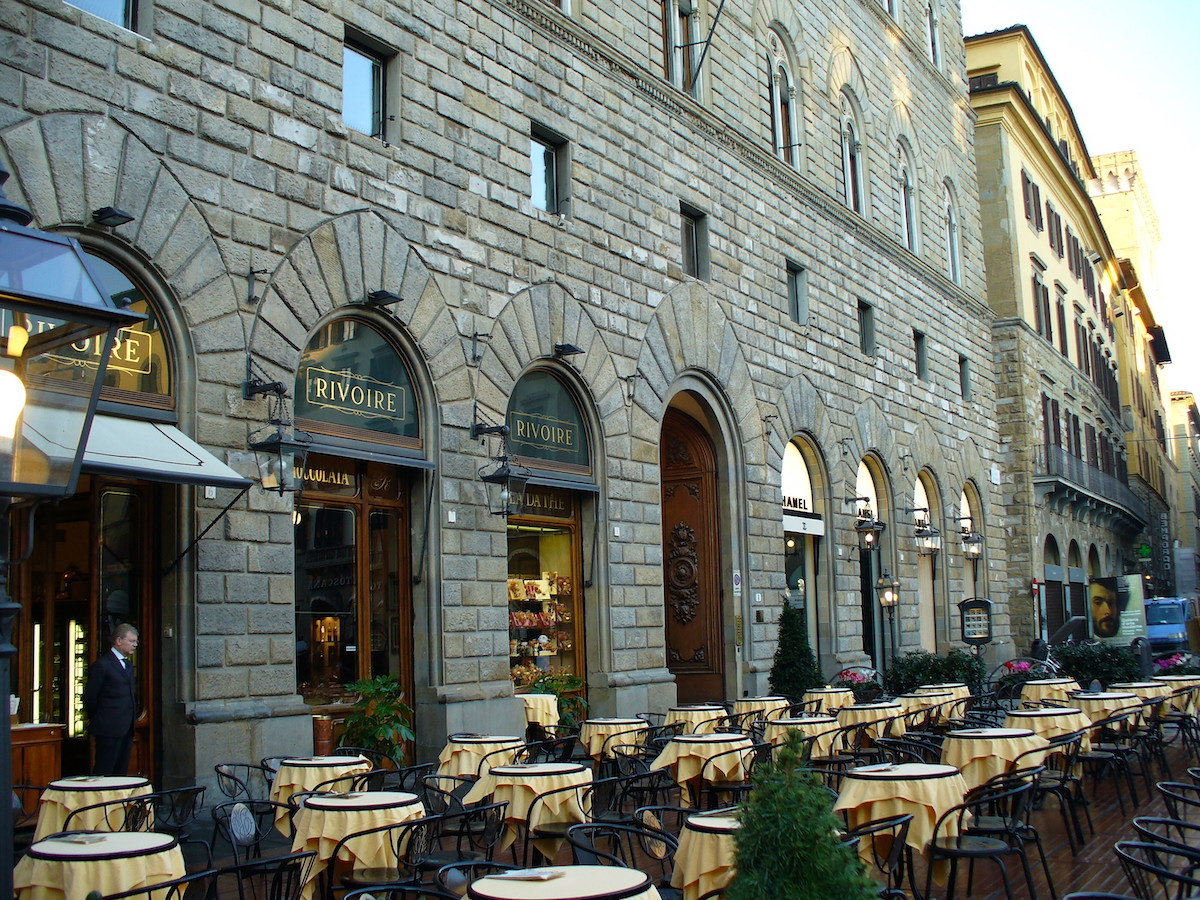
point(154, 451)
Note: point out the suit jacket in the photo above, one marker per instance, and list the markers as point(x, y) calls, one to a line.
point(109, 697)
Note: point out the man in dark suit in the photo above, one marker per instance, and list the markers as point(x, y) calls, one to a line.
point(110, 700)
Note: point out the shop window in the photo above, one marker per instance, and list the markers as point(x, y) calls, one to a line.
point(545, 537)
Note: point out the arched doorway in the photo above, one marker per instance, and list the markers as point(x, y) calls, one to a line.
point(694, 621)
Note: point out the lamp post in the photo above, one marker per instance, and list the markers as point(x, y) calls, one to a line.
point(887, 589)
point(57, 329)
point(972, 548)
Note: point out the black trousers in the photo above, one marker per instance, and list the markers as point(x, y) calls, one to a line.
point(112, 755)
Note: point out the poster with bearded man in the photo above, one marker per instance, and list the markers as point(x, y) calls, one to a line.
point(1118, 612)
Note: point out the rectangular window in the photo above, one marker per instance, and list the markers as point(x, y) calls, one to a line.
point(920, 354)
point(1062, 325)
point(119, 12)
point(1031, 194)
point(797, 293)
point(693, 240)
point(549, 171)
point(964, 376)
point(362, 89)
point(866, 327)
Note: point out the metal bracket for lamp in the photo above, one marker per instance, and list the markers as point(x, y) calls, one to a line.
point(481, 425)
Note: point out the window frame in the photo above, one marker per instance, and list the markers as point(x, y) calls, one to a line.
point(557, 149)
point(951, 236)
point(964, 377)
point(921, 355)
point(694, 222)
point(381, 88)
point(866, 328)
point(853, 181)
point(797, 292)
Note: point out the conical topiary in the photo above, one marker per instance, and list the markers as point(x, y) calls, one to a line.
point(787, 847)
point(794, 670)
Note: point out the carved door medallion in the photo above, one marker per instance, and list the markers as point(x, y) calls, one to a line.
point(691, 559)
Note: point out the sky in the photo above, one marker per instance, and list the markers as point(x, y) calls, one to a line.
point(1123, 68)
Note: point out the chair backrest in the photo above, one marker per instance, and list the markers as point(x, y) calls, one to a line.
point(1167, 831)
point(899, 750)
point(177, 808)
point(377, 758)
point(472, 831)
point(556, 749)
point(630, 846)
point(1007, 798)
point(1193, 773)
point(400, 892)
point(670, 819)
point(408, 778)
point(890, 862)
point(374, 780)
point(1156, 871)
point(455, 878)
point(444, 793)
point(273, 878)
point(245, 824)
point(1182, 799)
point(197, 886)
point(129, 814)
point(244, 781)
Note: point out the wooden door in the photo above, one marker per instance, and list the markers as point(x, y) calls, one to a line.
point(692, 560)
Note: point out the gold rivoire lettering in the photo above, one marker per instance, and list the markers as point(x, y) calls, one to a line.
point(354, 394)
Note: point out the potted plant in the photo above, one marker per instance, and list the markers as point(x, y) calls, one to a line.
point(1105, 663)
point(380, 720)
point(572, 707)
point(788, 845)
point(794, 669)
point(918, 667)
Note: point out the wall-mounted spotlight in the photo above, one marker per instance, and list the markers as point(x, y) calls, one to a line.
point(383, 297)
point(564, 350)
point(110, 216)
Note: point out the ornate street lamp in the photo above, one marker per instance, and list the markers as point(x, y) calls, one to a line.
point(279, 450)
point(972, 548)
point(57, 329)
point(887, 590)
point(505, 486)
point(929, 539)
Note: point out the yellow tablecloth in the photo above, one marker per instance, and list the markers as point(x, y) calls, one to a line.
point(573, 883)
point(63, 797)
point(1048, 689)
point(540, 708)
point(876, 717)
point(687, 754)
point(695, 719)
point(1051, 722)
point(326, 820)
point(59, 869)
point(768, 705)
point(594, 732)
point(704, 860)
point(520, 784)
point(925, 790)
point(1175, 683)
point(1146, 690)
point(303, 773)
point(916, 702)
point(831, 698)
point(822, 727)
point(981, 754)
point(1104, 704)
point(463, 753)
point(957, 688)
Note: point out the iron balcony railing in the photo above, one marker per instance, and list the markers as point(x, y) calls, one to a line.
point(1055, 462)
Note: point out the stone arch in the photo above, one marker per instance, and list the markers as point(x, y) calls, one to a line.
point(900, 127)
point(846, 76)
point(70, 164)
point(528, 326)
point(334, 266)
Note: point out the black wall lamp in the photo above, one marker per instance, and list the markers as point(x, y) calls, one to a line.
point(929, 539)
point(867, 527)
point(279, 450)
point(383, 297)
point(111, 217)
point(505, 486)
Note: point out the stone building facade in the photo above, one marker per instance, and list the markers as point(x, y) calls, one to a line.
point(745, 311)
point(1057, 290)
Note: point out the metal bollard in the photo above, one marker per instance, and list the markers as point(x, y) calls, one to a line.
point(322, 736)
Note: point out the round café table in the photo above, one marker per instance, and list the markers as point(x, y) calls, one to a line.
point(981, 754)
point(70, 867)
point(594, 734)
point(876, 717)
point(63, 797)
point(926, 790)
point(1103, 704)
point(820, 728)
point(325, 820)
point(686, 755)
point(704, 860)
point(1040, 689)
point(519, 785)
point(464, 752)
point(830, 698)
point(303, 773)
point(696, 719)
point(540, 709)
point(1053, 721)
point(767, 705)
point(567, 883)
point(1146, 690)
point(925, 701)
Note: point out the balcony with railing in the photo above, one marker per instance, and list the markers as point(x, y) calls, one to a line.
point(1065, 479)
